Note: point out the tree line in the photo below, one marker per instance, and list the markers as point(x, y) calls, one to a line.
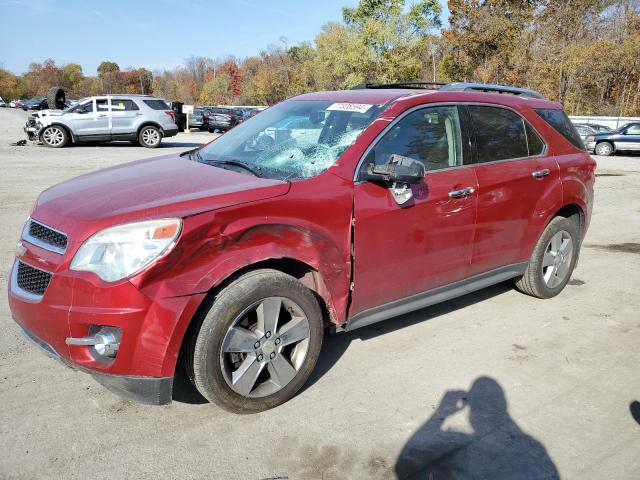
point(582, 53)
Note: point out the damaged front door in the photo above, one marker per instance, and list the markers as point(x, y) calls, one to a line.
point(402, 249)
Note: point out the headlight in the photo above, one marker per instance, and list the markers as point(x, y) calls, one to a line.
point(119, 252)
point(589, 138)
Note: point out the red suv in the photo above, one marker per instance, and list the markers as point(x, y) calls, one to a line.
point(331, 209)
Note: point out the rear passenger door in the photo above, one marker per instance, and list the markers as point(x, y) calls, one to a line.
point(123, 118)
point(516, 179)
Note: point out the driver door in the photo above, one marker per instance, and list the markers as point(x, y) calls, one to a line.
point(403, 250)
point(92, 120)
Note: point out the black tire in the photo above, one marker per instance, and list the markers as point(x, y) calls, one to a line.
point(54, 136)
point(56, 98)
point(533, 281)
point(204, 360)
point(150, 137)
point(606, 149)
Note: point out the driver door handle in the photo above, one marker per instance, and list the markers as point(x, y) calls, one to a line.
point(463, 192)
point(541, 173)
point(102, 116)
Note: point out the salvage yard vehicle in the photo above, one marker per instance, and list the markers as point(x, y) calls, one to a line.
point(237, 256)
point(626, 138)
point(141, 119)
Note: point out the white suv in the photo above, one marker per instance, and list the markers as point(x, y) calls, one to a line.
point(141, 119)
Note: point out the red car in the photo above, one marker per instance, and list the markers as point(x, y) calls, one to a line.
point(330, 210)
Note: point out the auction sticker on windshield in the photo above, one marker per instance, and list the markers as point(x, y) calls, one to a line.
point(350, 107)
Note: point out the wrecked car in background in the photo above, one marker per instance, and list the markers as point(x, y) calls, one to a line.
point(141, 119)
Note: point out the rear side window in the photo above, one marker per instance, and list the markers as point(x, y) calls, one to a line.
point(430, 135)
point(500, 134)
point(535, 143)
point(123, 105)
point(561, 123)
point(157, 104)
point(634, 129)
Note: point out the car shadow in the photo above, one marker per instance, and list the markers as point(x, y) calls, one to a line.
point(634, 408)
point(497, 448)
point(335, 346)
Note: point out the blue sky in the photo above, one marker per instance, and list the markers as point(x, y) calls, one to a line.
point(153, 34)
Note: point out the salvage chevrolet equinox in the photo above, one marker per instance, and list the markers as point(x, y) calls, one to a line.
point(328, 211)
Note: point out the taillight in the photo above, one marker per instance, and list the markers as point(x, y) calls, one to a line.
point(172, 114)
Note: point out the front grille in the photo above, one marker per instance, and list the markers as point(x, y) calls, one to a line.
point(47, 235)
point(32, 280)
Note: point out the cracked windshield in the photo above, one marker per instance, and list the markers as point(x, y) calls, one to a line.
point(292, 140)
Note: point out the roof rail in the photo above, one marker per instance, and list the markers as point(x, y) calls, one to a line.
point(455, 87)
point(412, 84)
point(490, 88)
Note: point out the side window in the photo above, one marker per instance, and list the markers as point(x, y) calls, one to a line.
point(561, 123)
point(500, 133)
point(85, 108)
point(101, 105)
point(123, 105)
point(534, 142)
point(634, 129)
point(430, 135)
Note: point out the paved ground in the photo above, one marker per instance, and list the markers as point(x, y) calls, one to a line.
point(546, 383)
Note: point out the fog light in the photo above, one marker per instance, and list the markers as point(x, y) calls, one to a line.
point(104, 340)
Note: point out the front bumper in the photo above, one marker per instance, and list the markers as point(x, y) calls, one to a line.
point(590, 146)
point(32, 129)
point(149, 390)
point(152, 326)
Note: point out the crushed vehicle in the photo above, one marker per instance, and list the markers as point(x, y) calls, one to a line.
point(238, 256)
point(141, 119)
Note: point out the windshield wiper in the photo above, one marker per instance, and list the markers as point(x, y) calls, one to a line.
point(237, 164)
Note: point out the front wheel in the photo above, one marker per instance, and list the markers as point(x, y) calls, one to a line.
point(258, 343)
point(150, 137)
point(54, 136)
point(604, 148)
point(553, 260)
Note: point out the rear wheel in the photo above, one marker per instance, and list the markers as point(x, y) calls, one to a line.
point(150, 137)
point(553, 259)
point(54, 136)
point(604, 148)
point(258, 343)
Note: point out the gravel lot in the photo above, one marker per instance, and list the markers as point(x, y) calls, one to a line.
point(568, 369)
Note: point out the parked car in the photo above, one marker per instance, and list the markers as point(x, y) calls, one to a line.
point(220, 118)
point(595, 126)
point(36, 103)
point(196, 119)
point(2, 103)
point(586, 133)
point(141, 119)
point(238, 255)
point(625, 139)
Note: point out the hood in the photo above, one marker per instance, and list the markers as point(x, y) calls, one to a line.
point(48, 113)
point(168, 186)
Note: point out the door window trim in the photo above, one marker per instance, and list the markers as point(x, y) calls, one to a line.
point(466, 129)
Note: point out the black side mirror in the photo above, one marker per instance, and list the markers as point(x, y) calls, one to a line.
point(398, 169)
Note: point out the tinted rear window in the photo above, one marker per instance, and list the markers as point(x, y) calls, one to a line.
point(157, 104)
point(500, 134)
point(561, 123)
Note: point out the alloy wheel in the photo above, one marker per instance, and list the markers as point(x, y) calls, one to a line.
point(150, 136)
point(557, 258)
point(265, 347)
point(53, 136)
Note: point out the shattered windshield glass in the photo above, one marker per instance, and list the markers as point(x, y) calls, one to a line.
point(292, 140)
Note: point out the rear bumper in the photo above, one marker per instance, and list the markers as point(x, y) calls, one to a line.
point(169, 133)
point(149, 390)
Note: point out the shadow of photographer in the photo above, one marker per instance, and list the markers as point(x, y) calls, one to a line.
point(497, 448)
